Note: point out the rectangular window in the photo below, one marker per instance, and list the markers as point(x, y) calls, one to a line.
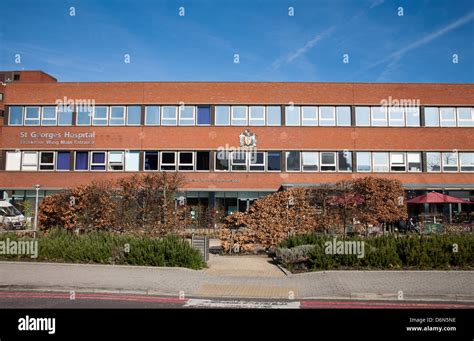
point(13, 162)
point(397, 162)
point(328, 162)
point(344, 161)
point(222, 116)
point(100, 116)
point(467, 162)
point(152, 115)
point(204, 115)
point(327, 116)
point(169, 115)
point(63, 161)
point(257, 116)
point(168, 161)
point(81, 161)
point(134, 115)
point(292, 116)
point(363, 160)
point(309, 116)
point(239, 116)
point(380, 161)
point(343, 116)
point(362, 117)
point(293, 163)
point(186, 115)
point(64, 115)
point(450, 162)
point(32, 116)
point(222, 160)
point(46, 161)
point(49, 117)
point(433, 162)
point(274, 116)
point(310, 161)
point(132, 160)
point(202, 161)
point(116, 161)
point(84, 116)
point(379, 116)
point(150, 161)
point(186, 161)
point(412, 116)
point(447, 117)
point(414, 162)
point(431, 117)
point(465, 117)
point(239, 161)
point(257, 161)
point(274, 161)
point(396, 116)
point(117, 116)
point(29, 161)
point(98, 161)
point(15, 117)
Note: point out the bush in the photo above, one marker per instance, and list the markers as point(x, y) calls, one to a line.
point(104, 247)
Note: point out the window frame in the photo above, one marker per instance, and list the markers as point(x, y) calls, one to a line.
point(267, 115)
point(309, 164)
point(128, 159)
point(461, 165)
point(249, 157)
point(26, 119)
point(63, 152)
point(88, 160)
point(268, 162)
point(208, 108)
point(439, 162)
point(239, 164)
point(40, 163)
point(192, 164)
point(262, 120)
point(192, 120)
point(124, 117)
point(393, 164)
point(227, 158)
point(145, 152)
point(286, 161)
point(218, 108)
point(437, 117)
point(22, 115)
point(407, 115)
point(443, 120)
point(443, 164)
point(23, 165)
point(106, 119)
point(420, 161)
point(373, 120)
point(327, 164)
point(109, 163)
point(460, 120)
point(392, 121)
point(49, 119)
point(341, 152)
point(93, 164)
point(357, 116)
point(16, 160)
point(322, 120)
point(60, 110)
point(293, 108)
point(167, 164)
point(89, 115)
point(386, 165)
point(158, 107)
point(340, 107)
point(208, 161)
point(232, 119)
point(315, 119)
point(127, 123)
point(369, 162)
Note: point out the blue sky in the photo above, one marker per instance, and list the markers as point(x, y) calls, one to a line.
point(381, 45)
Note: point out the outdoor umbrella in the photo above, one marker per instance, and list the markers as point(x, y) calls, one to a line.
point(436, 198)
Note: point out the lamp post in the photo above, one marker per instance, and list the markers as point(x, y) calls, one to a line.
point(37, 187)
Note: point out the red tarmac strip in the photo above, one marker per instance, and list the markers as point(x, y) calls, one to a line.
point(381, 305)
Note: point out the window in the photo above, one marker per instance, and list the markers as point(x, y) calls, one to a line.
point(310, 161)
point(274, 115)
point(32, 116)
point(152, 115)
point(309, 116)
point(380, 162)
point(362, 117)
point(64, 115)
point(117, 116)
point(222, 160)
point(49, 116)
point(363, 162)
point(13, 162)
point(204, 115)
point(344, 161)
point(98, 161)
point(84, 115)
point(257, 161)
point(293, 163)
point(412, 116)
point(15, 118)
point(396, 116)
point(414, 162)
point(169, 115)
point(431, 117)
point(239, 161)
point(273, 161)
point(257, 116)
point(81, 161)
point(1, 96)
point(132, 161)
point(63, 161)
point(239, 116)
point(186, 115)
point(466, 117)
point(222, 115)
point(379, 116)
point(450, 162)
point(447, 117)
point(116, 161)
point(343, 116)
point(292, 116)
point(328, 162)
point(134, 115)
point(202, 161)
point(327, 116)
point(467, 162)
point(186, 161)
point(433, 162)
point(29, 161)
point(16, 77)
point(151, 161)
point(100, 116)
point(397, 162)
point(168, 161)
point(46, 161)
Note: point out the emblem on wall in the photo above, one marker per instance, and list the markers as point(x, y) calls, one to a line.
point(248, 139)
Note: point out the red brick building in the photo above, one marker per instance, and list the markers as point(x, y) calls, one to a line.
point(61, 135)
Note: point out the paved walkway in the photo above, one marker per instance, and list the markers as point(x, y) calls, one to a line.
point(443, 285)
